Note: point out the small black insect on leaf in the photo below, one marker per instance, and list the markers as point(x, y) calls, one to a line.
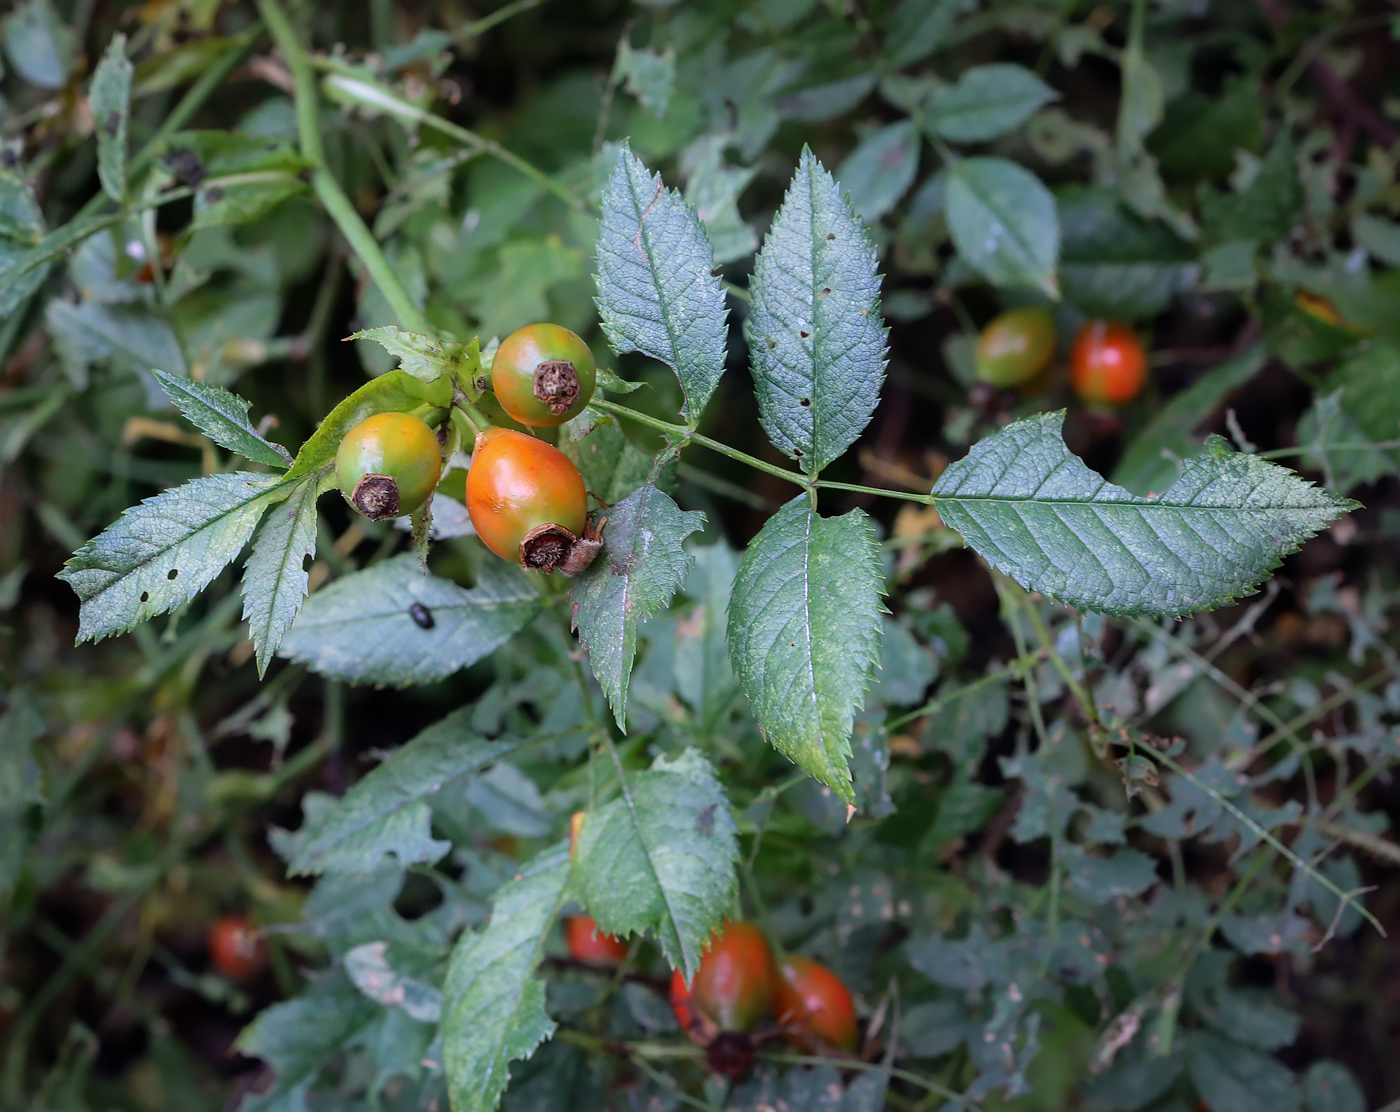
point(421, 615)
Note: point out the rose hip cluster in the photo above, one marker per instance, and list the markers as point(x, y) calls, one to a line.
point(526, 499)
point(740, 987)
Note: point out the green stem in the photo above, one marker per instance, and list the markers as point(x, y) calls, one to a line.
point(683, 434)
point(480, 26)
point(323, 183)
point(361, 89)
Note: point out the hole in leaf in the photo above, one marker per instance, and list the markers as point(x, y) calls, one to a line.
point(804, 333)
point(805, 401)
point(824, 294)
point(830, 236)
point(772, 343)
point(172, 573)
point(145, 596)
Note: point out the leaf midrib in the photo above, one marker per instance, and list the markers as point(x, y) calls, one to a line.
point(1177, 506)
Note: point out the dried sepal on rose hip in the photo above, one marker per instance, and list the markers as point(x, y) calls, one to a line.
point(528, 503)
point(543, 375)
point(388, 465)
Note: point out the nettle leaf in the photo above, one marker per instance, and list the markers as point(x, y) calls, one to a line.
point(21, 229)
point(1034, 512)
point(492, 1003)
point(275, 578)
point(110, 102)
point(352, 835)
point(804, 633)
point(388, 393)
point(425, 358)
point(223, 417)
point(1003, 223)
point(640, 567)
point(391, 624)
point(663, 863)
point(298, 1037)
point(986, 102)
point(816, 341)
point(164, 551)
point(656, 292)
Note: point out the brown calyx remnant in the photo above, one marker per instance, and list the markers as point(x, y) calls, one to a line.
point(584, 549)
point(377, 497)
point(730, 1053)
point(550, 548)
point(556, 385)
point(545, 547)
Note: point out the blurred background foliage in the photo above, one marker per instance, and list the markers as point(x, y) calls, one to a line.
point(1224, 176)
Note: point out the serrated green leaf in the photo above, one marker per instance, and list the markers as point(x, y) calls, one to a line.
point(349, 837)
point(395, 391)
point(656, 294)
point(649, 75)
point(816, 342)
point(1255, 1017)
point(275, 578)
point(827, 100)
point(164, 551)
point(493, 1004)
point(400, 837)
point(1003, 223)
point(424, 357)
point(359, 629)
point(297, 1037)
point(238, 177)
point(223, 417)
point(1037, 514)
point(988, 101)
point(879, 171)
point(1228, 1075)
point(665, 862)
point(110, 102)
point(21, 229)
point(639, 568)
point(804, 633)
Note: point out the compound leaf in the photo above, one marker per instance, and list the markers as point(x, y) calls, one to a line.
point(110, 102)
point(656, 294)
point(664, 862)
point(358, 830)
point(493, 1004)
point(223, 417)
point(275, 579)
point(804, 633)
point(640, 567)
point(1036, 513)
point(816, 342)
point(165, 550)
point(391, 624)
